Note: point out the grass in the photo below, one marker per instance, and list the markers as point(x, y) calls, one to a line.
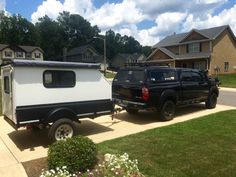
point(200, 147)
point(228, 80)
point(110, 75)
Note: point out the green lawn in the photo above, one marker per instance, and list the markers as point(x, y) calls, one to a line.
point(228, 80)
point(110, 75)
point(200, 147)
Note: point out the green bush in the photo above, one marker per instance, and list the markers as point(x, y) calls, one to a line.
point(77, 154)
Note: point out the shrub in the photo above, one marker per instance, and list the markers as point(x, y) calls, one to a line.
point(113, 165)
point(77, 154)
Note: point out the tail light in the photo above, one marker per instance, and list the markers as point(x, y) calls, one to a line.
point(145, 93)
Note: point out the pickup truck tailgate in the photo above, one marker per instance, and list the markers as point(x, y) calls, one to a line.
point(127, 92)
point(127, 85)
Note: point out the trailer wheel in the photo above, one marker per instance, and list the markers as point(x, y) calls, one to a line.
point(62, 129)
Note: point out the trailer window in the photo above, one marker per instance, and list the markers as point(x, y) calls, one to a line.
point(58, 79)
point(6, 85)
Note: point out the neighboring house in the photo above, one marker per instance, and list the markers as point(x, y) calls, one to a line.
point(85, 54)
point(212, 49)
point(9, 52)
point(122, 59)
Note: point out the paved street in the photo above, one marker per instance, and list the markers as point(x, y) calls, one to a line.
point(227, 98)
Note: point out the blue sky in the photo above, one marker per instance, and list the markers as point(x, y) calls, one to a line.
point(147, 20)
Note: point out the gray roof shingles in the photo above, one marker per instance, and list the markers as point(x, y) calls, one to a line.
point(175, 39)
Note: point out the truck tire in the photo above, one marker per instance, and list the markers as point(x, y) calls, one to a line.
point(167, 110)
point(131, 111)
point(211, 101)
point(62, 129)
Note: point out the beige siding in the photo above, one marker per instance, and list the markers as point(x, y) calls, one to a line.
point(224, 50)
point(0, 57)
point(205, 46)
point(159, 55)
point(182, 49)
point(8, 50)
point(174, 49)
point(35, 52)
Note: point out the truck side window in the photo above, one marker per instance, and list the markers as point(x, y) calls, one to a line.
point(196, 77)
point(6, 85)
point(166, 75)
point(186, 76)
point(58, 79)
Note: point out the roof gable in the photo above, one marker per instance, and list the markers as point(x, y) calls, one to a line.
point(175, 39)
point(193, 35)
point(81, 50)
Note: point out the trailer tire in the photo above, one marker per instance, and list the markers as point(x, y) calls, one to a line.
point(62, 129)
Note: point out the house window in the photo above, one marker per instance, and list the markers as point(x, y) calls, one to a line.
point(193, 47)
point(6, 85)
point(8, 53)
point(226, 66)
point(19, 54)
point(58, 79)
point(37, 55)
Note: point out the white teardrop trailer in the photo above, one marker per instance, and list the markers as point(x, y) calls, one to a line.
point(45, 93)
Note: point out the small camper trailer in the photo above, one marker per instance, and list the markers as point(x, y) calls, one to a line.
point(45, 93)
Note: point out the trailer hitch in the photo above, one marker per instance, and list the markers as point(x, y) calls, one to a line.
point(116, 111)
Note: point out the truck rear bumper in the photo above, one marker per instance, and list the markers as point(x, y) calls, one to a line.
point(130, 104)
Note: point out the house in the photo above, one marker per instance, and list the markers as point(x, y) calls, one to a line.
point(85, 54)
point(212, 49)
point(122, 59)
point(8, 52)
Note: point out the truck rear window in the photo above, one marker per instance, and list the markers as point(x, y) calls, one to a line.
point(162, 75)
point(132, 76)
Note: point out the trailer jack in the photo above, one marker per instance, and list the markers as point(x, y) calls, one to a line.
point(116, 111)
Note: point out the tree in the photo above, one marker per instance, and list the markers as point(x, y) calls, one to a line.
point(76, 30)
point(16, 30)
point(51, 38)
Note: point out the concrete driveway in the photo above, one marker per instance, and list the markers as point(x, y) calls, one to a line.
point(22, 145)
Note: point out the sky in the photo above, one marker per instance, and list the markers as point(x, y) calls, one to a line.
point(148, 21)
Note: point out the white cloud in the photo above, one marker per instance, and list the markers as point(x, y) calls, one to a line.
point(50, 7)
point(112, 15)
point(226, 17)
point(2, 4)
point(124, 17)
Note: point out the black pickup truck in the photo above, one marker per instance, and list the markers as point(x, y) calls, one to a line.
point(162, 89)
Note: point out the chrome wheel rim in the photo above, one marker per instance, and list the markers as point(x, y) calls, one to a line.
point(63, 131)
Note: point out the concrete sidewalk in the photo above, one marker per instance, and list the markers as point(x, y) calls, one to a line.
point(228, 89)
point(22, 145)
point(9, 165)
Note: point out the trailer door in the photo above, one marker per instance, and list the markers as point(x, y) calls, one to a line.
point(7, 93)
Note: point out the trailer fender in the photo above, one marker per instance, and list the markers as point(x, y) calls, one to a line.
point(60, 113)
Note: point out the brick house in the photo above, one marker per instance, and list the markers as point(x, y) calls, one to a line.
point(212, 49)
point(9, 52)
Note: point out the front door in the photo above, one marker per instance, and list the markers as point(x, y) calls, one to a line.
point(7, 93)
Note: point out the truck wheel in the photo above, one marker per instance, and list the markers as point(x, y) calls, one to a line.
point(131, 111)
point(211, 101)
point(62, 129)
point(167, 111)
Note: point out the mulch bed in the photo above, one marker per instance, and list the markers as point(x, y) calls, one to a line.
point(34, 168)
